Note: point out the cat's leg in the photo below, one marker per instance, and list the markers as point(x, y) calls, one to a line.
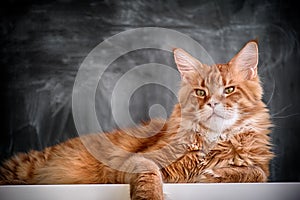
point(233, 174)
point(144, 178)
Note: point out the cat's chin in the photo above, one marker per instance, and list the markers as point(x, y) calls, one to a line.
point(215, 116)
point(218, 123)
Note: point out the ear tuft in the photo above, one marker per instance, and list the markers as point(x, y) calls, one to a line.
point(246, 60)
point(185, 62)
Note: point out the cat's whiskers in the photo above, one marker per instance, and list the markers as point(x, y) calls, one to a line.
point(281, 110)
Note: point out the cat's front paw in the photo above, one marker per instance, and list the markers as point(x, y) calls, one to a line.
point(210, 176)
point(211, 173)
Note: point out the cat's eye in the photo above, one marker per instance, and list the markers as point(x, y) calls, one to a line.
point(200, 93)
point(229, 90)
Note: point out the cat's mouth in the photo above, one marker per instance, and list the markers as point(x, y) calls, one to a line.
point(215, 115)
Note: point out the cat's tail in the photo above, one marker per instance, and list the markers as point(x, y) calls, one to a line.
point(20, 169)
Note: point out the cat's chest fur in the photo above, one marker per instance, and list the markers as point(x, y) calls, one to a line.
point(219, 131)
point(213, 136)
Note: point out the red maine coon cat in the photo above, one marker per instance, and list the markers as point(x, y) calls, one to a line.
point(218, 132)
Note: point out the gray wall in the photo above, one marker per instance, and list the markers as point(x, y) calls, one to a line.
point(43, 44)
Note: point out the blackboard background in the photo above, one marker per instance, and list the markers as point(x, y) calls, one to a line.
point(44, 42)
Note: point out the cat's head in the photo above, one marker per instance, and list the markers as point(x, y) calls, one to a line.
point(218, 96)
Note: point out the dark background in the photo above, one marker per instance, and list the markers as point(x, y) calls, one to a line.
point(44, 42)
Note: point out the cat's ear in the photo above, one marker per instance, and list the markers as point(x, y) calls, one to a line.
point(246, 60)
point(186, 63)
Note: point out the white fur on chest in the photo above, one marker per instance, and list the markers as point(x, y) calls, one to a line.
point(212, 136)
point(217, 124)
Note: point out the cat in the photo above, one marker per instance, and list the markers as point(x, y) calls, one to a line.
point(218, 132)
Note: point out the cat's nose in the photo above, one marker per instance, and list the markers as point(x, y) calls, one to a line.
point(212, 104)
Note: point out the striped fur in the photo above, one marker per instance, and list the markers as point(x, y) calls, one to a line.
point(213, 138)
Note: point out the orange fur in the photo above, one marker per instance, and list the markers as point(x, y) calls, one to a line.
point(213, 138)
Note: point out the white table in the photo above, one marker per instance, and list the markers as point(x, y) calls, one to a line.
point(221, 191)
